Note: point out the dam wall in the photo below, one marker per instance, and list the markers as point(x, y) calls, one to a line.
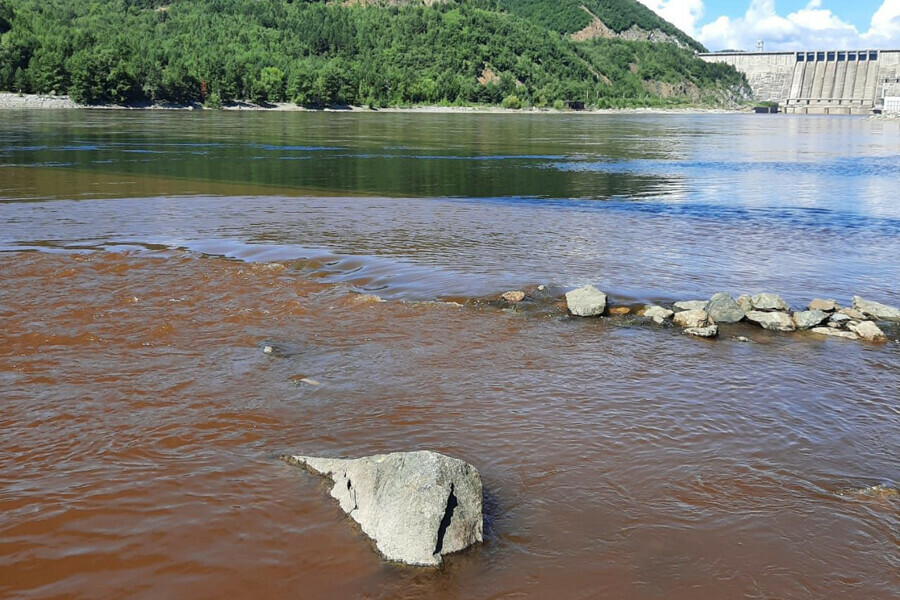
point(822, 82)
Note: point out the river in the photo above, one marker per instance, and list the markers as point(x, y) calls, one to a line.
point(147, 257)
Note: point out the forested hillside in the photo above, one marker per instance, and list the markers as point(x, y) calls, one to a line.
point(511, 52)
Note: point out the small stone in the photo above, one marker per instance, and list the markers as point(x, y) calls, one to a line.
point(586, 301)
point(691, 305)
point(839, 319)
point(771, 302)
point(710, 331)
point(848, 335)
point(868, 331)
point(658, 314)
point(823, 305)
point(541, 287)
point(692, 318)
point(722, 308)
point(853, 314)
point(876, 310)
point(835, 325)
point(773, 321)
point(269, 350)
point(745, 302)
point(619, 310)
point(513, 296)
point(741, 339)
point(808, 319)
point(369, 298)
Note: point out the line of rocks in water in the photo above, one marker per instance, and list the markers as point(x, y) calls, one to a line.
point(701, 318)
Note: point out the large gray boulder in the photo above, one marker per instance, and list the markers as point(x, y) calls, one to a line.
point(773, 321)
point(722, 308)
point(808, 319)
point(876, 310)
point(691, 318)
point(586, 301)
point(416, 506)
point(768, 302)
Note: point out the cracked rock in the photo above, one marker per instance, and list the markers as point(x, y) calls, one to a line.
point(416, 506)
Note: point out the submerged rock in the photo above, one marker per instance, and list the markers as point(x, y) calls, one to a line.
point(773, 321)
point(770, 302)
point(586, 301)
point(741, 339)
point(658, 314)
point(868, 331)
point(722, 308)
point(619, 310)
point(876, 492)
point(876, 310)
point(847, 335)
point(823, 305)
point(692, 318)
point(691, 305)
point(710, 331)
point(808, 319)
point(513, 296)
point(416, 506)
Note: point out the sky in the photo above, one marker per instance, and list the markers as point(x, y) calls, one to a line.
point(786, 24)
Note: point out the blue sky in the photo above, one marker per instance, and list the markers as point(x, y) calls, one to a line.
point(786, 24)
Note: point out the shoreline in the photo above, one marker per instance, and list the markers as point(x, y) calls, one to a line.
point(14, 101)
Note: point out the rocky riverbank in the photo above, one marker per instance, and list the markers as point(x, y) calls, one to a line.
point(10, 100)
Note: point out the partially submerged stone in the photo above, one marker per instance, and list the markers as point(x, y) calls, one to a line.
point(840, 319)
point(773, 321)
point(854, 314)
point(691, 305)
point(868, 331)
point(847, 335)
point(619, 310)
point(722, 308)
point(416, 506)
point(768, 302)
point(586, 301)
point(808, 319)
point(876, 310)
point(692, 318)
point(709, 331)
point(513, 296)
point(823, 305)
point(875, 492)
point(658, 314)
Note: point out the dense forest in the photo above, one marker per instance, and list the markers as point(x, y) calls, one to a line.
point(510, 52)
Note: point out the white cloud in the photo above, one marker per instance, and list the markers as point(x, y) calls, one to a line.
point(684, 14)
point(813, 27)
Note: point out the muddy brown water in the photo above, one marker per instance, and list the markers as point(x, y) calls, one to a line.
point(140, 420)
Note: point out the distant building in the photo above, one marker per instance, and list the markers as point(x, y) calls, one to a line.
point(892, 104)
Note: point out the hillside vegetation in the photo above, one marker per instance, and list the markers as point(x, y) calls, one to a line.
point(510, 52)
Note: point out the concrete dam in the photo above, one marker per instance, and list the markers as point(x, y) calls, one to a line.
point(833, 82)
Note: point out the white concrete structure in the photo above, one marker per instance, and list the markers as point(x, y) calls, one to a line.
point(839, 82)
point(892, 104)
